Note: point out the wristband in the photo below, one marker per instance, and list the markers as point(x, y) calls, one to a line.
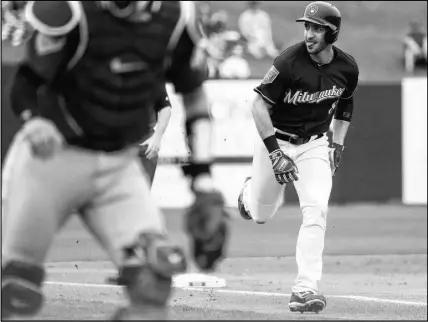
point(338, 146)
point(271, 143)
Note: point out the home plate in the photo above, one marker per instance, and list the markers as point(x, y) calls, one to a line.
point(198, 280)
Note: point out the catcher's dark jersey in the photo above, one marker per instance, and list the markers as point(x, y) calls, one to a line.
point(304, 95)
point(106, 74)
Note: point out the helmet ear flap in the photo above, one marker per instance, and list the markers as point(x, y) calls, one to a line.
point(331, 36)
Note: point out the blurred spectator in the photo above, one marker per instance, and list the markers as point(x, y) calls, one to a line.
point(256, 27)
point(14, 28)
point(216, 45)
point(415, 47)
point(205, 14)
point(220, 41)
point(235, 66)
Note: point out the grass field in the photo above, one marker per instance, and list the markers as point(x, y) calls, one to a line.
point(375, 267)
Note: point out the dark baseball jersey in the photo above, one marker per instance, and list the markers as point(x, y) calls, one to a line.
point(102, 79)
point(304, 95)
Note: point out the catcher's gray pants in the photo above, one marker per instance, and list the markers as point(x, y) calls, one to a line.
point(110, 190)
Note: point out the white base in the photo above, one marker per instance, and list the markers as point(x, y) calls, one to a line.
point(198, 280)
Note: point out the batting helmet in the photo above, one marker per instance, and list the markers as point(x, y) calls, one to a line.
point(324, 14)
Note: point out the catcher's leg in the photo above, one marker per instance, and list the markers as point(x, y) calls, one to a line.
point(39, 196)
point(207, 225)
point(131, 228)
point(262, 195)
point(11, 158)
point(207, 218)
point(313, 189)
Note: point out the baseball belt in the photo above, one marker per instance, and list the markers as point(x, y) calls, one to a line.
point(296, 140)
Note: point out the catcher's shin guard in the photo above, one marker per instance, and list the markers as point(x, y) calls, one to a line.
point(147, 273)
point(206, 222)
point(21, 289)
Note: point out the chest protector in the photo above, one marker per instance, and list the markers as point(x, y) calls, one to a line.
point(117, 72)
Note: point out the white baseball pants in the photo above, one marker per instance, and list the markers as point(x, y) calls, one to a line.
point(263, 195)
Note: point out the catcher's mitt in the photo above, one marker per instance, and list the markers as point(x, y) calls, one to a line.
point(206, 222)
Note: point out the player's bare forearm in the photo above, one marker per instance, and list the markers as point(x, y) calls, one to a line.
point(260, 110)
point(164, 115)
point(199, 125)
point(340, 129)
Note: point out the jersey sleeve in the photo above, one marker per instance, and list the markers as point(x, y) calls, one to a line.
point(345, 105)
point(275, 81)
point(188, 68)
point(352, 80)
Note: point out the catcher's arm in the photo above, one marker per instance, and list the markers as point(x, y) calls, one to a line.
point(284, 168)
point(47, 52)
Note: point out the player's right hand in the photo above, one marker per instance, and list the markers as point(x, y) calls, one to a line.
point(284, 168)
point(44, 137)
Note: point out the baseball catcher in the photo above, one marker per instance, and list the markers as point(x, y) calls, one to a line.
point(85, 95)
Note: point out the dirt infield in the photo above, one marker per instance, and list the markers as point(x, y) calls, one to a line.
point(375, 268)
point(358, 287)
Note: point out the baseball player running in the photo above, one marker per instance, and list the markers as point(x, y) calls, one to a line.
point(86, 96)
point(151, 143)
point(308, 84)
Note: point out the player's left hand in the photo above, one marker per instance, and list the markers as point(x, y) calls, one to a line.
point(152, 146)
point(284, 168)
point(336, 151)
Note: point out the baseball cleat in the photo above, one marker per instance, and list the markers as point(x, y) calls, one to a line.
point(307, 302)
point(20, 297)
point(244, 213)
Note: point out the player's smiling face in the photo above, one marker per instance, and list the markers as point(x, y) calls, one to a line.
point(315, 38)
